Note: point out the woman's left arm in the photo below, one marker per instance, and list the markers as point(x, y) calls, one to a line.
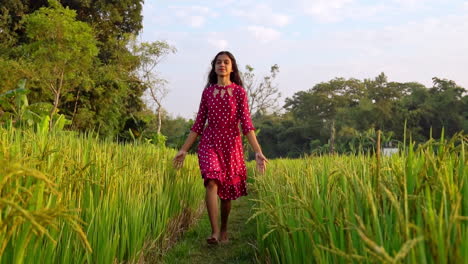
point(259, 157)
point(249, 130)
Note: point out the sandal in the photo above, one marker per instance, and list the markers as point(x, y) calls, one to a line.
point(212, 241)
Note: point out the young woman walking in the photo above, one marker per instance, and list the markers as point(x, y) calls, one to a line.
point(224, 104)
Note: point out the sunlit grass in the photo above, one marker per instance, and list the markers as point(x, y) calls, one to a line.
point(75, 199)
point(331, 209)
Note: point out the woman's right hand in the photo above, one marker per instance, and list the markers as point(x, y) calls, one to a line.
point(178, 160)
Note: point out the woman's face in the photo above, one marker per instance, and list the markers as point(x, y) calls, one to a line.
point(223, 65)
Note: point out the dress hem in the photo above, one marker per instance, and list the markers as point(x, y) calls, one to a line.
point(226, 191)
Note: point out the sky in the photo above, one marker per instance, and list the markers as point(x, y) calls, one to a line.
point(312, 41)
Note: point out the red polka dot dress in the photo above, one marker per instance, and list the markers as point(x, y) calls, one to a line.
point(220, 153)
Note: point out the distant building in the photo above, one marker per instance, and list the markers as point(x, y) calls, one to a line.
point(389, 151)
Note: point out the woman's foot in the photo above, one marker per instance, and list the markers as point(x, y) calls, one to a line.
point(223, 238)
point(213, 239)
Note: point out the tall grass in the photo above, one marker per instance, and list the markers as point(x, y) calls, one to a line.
point(76, 199)
point(331, 209)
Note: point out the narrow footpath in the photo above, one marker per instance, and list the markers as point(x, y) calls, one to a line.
point(192, 248)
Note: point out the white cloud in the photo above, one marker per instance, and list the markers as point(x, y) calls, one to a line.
point(196, 21)
point(414, 51)
point(263, 34)
point(326, 10)
point(262, 14)
point(409, 2)
point(223, 3)
point(219, 44)
point(183, 10)
point(405, 51)
point(430, 35)
point(324, 6)
point(338, 10)
point(195, 16)
point(149, 18)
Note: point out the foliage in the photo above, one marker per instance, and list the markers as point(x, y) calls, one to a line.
point(176, 129)
point(150, 55)
point(55, 41)
point(354, 107)
point(106, 96)
point(407, 208)
point(78, 199)
point(263, 96)
point(159, 139)
point(20, 113)
point(103, 90)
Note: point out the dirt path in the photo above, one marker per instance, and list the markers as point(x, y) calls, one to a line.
point(241, 249)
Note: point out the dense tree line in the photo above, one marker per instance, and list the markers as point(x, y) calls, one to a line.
point(81, 58)
point(342, 115)
point(350, 111)
point(74, 54)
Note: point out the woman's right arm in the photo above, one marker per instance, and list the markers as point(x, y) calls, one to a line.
point(179, 158)
point(189, 141)
point(197, 128)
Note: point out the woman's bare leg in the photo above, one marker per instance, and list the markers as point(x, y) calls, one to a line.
point(211, 199)
point(225, 210)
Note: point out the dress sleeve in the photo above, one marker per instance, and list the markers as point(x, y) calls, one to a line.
point(202, 115)
point(243, 112)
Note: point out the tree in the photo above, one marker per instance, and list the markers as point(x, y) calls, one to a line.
point(413, 110)
point(282, 136)
point(113, 91)
point(307, 122)
point(176, 129)
point(321, 105)
point(447, 106)
point(113, 20)
point(150, 55)
point(61, 50)
point(383, 95)
point(262, 96)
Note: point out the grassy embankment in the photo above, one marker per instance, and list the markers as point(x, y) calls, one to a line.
point(75, 199)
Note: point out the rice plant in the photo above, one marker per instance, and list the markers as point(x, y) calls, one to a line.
point(67, 198)
point(407, 208)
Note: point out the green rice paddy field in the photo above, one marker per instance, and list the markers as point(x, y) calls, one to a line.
point(67, 198)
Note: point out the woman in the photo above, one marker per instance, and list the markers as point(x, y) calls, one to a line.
point(220, 154)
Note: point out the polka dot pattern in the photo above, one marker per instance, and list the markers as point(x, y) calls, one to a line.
point(220, 153)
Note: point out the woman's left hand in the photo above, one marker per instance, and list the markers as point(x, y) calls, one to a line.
point(178, 160)
point(261, 162)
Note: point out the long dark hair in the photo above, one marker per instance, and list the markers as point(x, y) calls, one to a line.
point(234, 76)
